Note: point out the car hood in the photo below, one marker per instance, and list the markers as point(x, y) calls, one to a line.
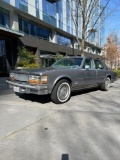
point(42, 70)
point(38, 70)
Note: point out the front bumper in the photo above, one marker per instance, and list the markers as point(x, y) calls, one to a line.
point(29, 89)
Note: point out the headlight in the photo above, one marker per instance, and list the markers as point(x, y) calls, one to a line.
point(33, 79)
point(12, 76)
point(44, 79)
point(36, 80)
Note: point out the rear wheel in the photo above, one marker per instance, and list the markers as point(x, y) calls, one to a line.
point(106, 85)
point(61, 92)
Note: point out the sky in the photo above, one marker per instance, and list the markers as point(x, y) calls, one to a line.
point(112, 23)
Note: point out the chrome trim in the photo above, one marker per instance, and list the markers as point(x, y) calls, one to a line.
point(28, 86)
point(21, 77)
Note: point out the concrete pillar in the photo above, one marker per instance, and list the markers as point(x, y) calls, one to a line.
point(57, 15)
point(57, 19)
point(64, 16)
point(53, 37)
point(32, 8)
point(12, 2)
point(41, 9)
point(14, 20)
point(37, 55)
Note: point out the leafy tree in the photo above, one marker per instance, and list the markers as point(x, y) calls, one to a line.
point(111, 51)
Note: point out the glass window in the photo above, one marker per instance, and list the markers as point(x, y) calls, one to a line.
point(2, 47)
point(47, 58)
point(60, 12)
point(89, 64)
point(49, 8)
point(29, 27)
point(22, 5)
point(37, 4)
point(49, 12)
point(68, 18)
point(98, 64)
point(64, 40)
point(8, 1)
point(26, 1)
point(37, 8)
point(92, 37)
point(47, 61)
point(4, 17)
point(68, 62)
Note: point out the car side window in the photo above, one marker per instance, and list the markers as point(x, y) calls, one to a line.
point(89, 64)
point(98, 64)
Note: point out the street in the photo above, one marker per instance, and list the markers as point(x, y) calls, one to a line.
point(85, 128)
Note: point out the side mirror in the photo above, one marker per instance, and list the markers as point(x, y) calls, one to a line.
point(87, 67)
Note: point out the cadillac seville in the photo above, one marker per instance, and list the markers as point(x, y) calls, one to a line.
point(63, 77)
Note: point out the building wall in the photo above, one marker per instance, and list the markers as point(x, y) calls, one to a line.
point(41, 25)
point(48, 46)
point(56, 14)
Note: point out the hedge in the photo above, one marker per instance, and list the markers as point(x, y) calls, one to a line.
point(118, 73)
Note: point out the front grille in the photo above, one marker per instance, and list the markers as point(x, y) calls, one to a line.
point(21, 77)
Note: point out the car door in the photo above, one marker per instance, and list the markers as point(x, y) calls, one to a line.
point(100, 71)
point(88, 73)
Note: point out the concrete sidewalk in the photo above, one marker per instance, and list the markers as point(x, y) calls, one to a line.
point(4, 87)
point(87, 127)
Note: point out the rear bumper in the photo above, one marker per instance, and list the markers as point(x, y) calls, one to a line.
point(29, 89)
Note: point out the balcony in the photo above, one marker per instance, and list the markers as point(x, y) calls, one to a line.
point(10, 30)
point(49, 19)
point(53, 1)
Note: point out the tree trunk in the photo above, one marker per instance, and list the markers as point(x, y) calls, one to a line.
point(83, 37)
point(82, 47)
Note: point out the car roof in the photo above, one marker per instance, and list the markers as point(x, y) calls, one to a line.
point(81, 57)
point(73, 57)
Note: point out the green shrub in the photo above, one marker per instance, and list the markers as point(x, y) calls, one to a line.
point(21, 63)
point(26, 55)
point(118, 72)
point(33, 65)
point(26, 59)
point(58, 57)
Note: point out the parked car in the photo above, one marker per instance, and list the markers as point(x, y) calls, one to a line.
point(63, 77)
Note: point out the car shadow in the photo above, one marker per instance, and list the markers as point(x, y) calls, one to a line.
point(46, 98)
point(84, 91)
point(65, 157)
point(35, 98)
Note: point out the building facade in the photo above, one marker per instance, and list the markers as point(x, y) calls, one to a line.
point(43, 26)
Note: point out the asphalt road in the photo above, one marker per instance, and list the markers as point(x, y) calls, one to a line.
point(85, 128)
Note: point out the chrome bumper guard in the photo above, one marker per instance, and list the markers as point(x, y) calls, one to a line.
point(29, 89)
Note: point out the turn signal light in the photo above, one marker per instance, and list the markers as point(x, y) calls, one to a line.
point(12, 76)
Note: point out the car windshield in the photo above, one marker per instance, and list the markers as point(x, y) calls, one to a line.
point(68, 63)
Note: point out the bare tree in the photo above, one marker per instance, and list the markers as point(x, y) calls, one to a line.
point(88, 14)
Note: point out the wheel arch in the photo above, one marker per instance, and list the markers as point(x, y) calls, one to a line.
point(108, 76)
point(61, 78)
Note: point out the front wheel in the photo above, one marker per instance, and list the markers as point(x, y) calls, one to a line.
point(61, 92)
point(106, 85)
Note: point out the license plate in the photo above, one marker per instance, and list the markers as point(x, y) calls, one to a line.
point(16, 89)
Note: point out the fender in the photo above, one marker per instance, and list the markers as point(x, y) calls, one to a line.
point(59, 78)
